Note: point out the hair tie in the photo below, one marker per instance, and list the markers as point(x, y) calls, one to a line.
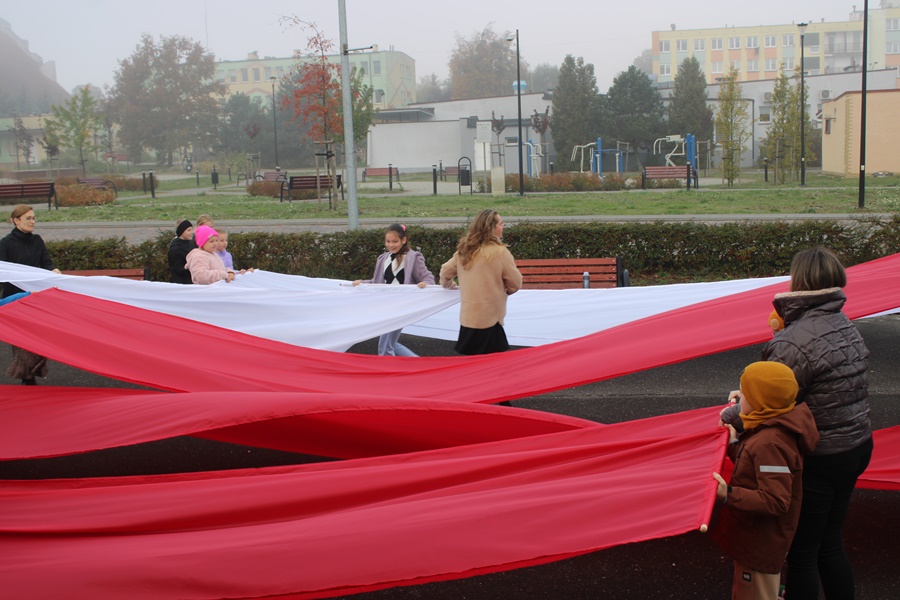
point(403, 226)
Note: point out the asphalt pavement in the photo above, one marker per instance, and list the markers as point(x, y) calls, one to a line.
point(681, 567)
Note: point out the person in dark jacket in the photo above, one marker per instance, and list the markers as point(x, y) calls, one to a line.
point(22, 246)
point(762, 503)
point(830, 360)
point(179, 248)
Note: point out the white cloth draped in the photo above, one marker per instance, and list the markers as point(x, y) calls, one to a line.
point(331, 314)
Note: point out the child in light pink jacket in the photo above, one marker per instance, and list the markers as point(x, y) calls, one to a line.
point(202, 262)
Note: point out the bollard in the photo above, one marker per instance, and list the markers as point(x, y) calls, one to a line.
point(434, 176)
point(551, 167)
point(229, 172)
point(198, 177)
point(586, 278)
point(144, 181)
point(390, 177)
point(766, 168)
point(152, 187)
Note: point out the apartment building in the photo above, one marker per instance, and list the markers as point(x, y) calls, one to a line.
point(390, 73)
point(758, 52)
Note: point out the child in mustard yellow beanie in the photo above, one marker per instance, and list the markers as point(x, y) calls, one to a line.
point(762, 501)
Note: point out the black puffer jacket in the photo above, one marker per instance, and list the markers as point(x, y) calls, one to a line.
point(829, 359)
point(178, 251)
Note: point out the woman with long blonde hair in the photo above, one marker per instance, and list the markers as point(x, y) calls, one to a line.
point(486, 274)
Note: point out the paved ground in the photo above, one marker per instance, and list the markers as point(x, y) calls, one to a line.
point(687, 566)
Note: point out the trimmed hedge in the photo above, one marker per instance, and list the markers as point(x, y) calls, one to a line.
point(652, 252)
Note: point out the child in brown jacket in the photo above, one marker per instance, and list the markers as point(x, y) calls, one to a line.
point(762, 501)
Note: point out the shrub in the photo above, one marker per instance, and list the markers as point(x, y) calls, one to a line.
point(83, 195)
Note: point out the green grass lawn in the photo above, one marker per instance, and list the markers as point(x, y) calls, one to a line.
point(823, 195)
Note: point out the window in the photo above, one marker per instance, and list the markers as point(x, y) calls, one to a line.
point(734, 43)
point(892, 48)
point(771, 64)
point(232, 75)
point(700, 45)
point(828, 126)
point(718, 66)
point(764, 116)
point(787, 40)
point(268, 72)
point(736, 65)
point(244, 76)
point(716, 43)
point(752, 65)
point(892, 24)
point(664, 46)
point(789, 64)
point(376, 67)
point(752, 41)
point(255, 73)
point(665, 70)
point(770, 41)
point(681, 45)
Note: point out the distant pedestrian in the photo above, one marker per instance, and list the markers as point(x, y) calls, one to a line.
point(763, 499)
point(24, 247)
point(399, 265)
point(486, 274)
point(179, 248)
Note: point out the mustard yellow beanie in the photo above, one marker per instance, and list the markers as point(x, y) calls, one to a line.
point(771, 390)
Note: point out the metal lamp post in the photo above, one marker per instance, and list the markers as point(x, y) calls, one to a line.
point(275, 122)
point(802, 28)
point(519, 94)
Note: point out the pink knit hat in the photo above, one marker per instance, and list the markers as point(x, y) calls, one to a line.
point(203, 233)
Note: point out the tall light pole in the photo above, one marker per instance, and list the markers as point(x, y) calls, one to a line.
point(274, 122)
point(802, 28)
point(519, 93)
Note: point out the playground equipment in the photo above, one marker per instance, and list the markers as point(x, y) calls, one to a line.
point(685, 146)
point(595, 155)
point(535, 154)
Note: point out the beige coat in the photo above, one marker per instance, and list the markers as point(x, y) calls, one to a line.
point(483, 285)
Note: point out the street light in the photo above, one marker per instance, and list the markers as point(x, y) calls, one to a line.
point(274, 122)
point(802, 28)
point(519, 93)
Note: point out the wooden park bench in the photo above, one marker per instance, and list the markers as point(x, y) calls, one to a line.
point(392, 172)
point(20, 191)
point(272, 176)
point(678, 172)
point(308, 182)
point(98, 183)
point(562, 273)
point(136, 274)
point(449, 172)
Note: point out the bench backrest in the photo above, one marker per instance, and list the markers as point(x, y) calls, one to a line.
point(676, 172)
point(274, 175)
point(561, 273)
point(90, 180)
point(136, 274)
point(311, 181)
point(41, 189)
point(378, 171)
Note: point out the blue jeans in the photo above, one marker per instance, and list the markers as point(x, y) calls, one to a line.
point(817, 553)
point(388, 345)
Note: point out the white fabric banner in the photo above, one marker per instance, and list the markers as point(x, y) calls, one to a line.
point(331, 314)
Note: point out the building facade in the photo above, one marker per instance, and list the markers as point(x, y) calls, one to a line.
point(841, 132)
point(759, 52)
point(391, 74)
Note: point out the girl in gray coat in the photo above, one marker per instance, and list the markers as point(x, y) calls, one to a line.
point(399, 265)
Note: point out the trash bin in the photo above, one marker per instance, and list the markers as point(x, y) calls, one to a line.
point(215, 177)
point(465, 177)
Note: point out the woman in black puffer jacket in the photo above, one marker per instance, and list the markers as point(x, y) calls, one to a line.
point(829, 359)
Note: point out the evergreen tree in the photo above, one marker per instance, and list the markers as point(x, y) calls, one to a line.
point(688, 109)
point(634, 111)
point(731, 125)
point(576, 109)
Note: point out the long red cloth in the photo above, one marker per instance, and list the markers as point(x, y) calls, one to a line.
point(177, 354)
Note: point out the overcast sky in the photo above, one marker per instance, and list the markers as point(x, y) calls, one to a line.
point(87, 38)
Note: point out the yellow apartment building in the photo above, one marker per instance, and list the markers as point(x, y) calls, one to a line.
point(841, 132)
point(391, 74)
point(758, 51)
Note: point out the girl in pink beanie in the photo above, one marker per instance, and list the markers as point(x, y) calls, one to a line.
point(203, 263)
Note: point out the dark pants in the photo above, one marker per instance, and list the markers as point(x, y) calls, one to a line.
point(817, 552)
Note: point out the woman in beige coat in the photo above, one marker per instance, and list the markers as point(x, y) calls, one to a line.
point(486, 273)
